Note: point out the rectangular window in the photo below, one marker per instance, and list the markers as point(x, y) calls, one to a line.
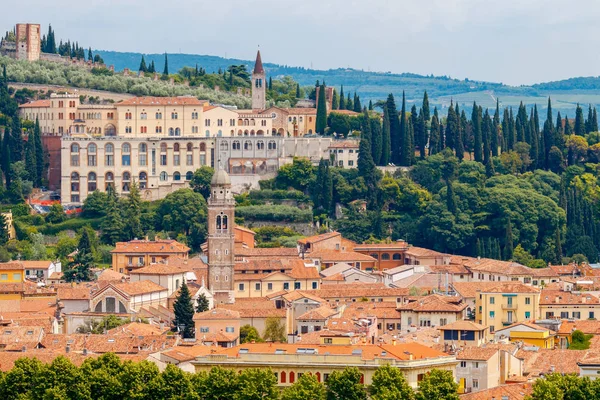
point(125, 160)
point(463, 364)
point(241, 287)
point(492, 329)
point(492, 314)
point(16, 277)
point(314, 285)
point(204, 329)
point(189, 159)
point(564, 314)
point(269, 286)
point(4, 277)
point(75, 160)
point(475, 383)
point(176, 159)
point(492, 300)
point(91, 161)
point(163, 159)
point(286, 286)
point(591, 315)
point(527, 300)
point(143, 160)
point(219, 122)
point(576, 315)
point(109, 160)
point(527, 315)
point(257, 286)
point(229, 329)
point(297, 285)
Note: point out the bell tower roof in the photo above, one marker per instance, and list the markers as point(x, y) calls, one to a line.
point(220, 178)
point(258, 66)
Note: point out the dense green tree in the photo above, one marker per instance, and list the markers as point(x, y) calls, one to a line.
point(477, 138)
point(298, 175)
point(40, 155)
point(437, 385)
point(370, 105)
point(579, 122)
point(202, 304)
point(390, 384)
point(56, 214)
point(404, 150)
point(5, 162)
point(184, 312)
point(274, 330)
point(342, 101)
point(143, 67)
point(346, 385)
point(385, 138)
point(376, 140)
point(3, 230)
point(184, 211)
point(365, 125)
point(79, 270)
point(425, 107)
point(132, 213)
point(249, 334)
point(435, 139)
point(508, 242)
point(367, 170)
point(113, 226)
point(166, 68)
point(349, 103)
point(395, 135)
point(200, 181)
point(257, 384)
point(321, 120)
point(323, 189)
point(335, 101)
point(307, 387)
point(357, 105)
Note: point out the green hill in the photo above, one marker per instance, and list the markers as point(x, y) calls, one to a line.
point(377, 85)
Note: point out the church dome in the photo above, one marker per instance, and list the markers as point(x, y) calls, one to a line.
point(220, 178)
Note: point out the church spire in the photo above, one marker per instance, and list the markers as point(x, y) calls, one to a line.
point(258, 67)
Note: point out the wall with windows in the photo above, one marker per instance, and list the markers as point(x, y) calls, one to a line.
point(158, 166)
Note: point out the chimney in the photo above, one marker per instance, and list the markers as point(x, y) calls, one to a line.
point(68, 349)
point(85, 352)
point(557, 299)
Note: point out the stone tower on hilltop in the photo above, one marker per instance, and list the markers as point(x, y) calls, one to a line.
point(259, 82)
point(221, 238)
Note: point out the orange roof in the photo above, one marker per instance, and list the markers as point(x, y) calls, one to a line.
point(217, 314)
point(476, 353)
point(357, 290)
point(13, 265)
point(36, 264)
point(135, 288)
point(317, 314)
point(549, 297)
point(434, 303)
point(150, 246)
point(497, 267)
point(423, 252)
point(137, 329)
point(515, 391)
point(463, 326)
point(511, 287)
point(469, 289)
point(319, 238)
point(160, 269)
point(189, 353)
point(381, 310)
point(586, 326)
point(544, 361)
point(258, 307)
point(36, 104)
point(110, 275)
point(162, 101)
point(75, 293)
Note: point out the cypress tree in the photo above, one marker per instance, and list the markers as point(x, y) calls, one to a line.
point(297, 88)
point(90, 55)
point(6, 159)
point(421, 134)
point(594, 126)
point(404, 145)
point(411, 141)
point(30, 163)
point(425, 107)
point(451, 198)
point(321, 121)
point(270, 87)
point(589, 121)
point(568, 129)
point(385, 138)
point(357, 106)
point(143, 67)
point(434, 135)
point(166, 69)
point(579, 122)
point(342, 103)
point(477, 135)
point(366, 126)
point(184, 312)
point(377, 140)
point(557, 247)
point(335, 102)
point(534, 151)
point(512, 132)
point(494, 134)
point(460, 147)
point(368, 170)
point(508, 241)
point(40, 154)
point(395, 138)
point(451, 127)
point(349, 103)
point(548, 133)
point(485, 135)
point(370, 105)
point(152, 68)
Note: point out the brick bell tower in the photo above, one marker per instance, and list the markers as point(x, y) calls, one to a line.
point(221, 205)
point(259, 83)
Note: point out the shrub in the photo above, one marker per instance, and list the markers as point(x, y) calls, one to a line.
point(279, 213)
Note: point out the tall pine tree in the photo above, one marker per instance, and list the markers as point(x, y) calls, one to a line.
point(385, 138)
point(395, 138)
point(321, 121)
point(184, 312)
point(404, 150)
point(166, 69)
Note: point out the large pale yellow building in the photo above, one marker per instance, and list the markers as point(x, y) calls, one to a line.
point(505, 304)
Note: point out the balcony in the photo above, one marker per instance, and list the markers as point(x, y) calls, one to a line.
point(506, 321)
point(509, 306)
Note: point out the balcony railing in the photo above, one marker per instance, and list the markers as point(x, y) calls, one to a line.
point(509, 306)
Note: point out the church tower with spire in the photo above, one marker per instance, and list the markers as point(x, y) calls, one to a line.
point(259, 83)
point(221, 238)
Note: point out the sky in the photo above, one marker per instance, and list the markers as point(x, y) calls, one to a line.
point(516, 42)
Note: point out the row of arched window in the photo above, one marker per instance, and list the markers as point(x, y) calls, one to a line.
point(109, 179)
point(291, 377)
point(236, 145)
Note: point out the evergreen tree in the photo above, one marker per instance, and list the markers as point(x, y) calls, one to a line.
point(166, 69)
point(508, 241)
point(548, 133)
point(421, 134)
point(579, 122)
point(40, 155)
point(589, 120)
point(494, 131)
point(349, 103)
point(297, 88)
point(395, 138)
point(434, 135)
point(335, 101)
point(133, 209)
point(323, 193)
point(3, 230)
point(202, 304)
point(112, 226)
point(370, 105)
point(451, 198)
point(30, 163)
point(143, 67)
point(485, 134)
point(368, 171)
point(404, 150)
point(385, 138)
point(557, 247)
point(90, 55)
point(376, 140)
point(5, 162)
point(477, 137)
point(594, 125)
point(184, 312)
point(321, 121)
point(451, 127)
point(151, 68)
point(342, 102)
point(366, 126)
point(357, 105)
point(425, 108)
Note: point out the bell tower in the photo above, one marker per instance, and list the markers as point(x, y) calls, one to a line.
point(221, 238)
point(259, 82)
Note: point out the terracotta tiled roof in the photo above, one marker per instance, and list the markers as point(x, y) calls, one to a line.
point(137, 329)
point(423, 252)
point(589, 327)
point(189, 353)
point(334, 278)
point(267, 252)
point(19, 337)
point(218, 337)
point(342, 325)
point(357, 290)
point(217, 314)
point(302, 294)
point(255, 308)
point(497, 267)
point(16, 265)
point(434, 303)
point(543, 272)
point(161, 269)
point(123, 344)
point(339, 256)
point(381, 310)
point(318, 238)
point(150, 246)
point(450, 268)
point(162, 101)
point(544, 361)
point(463, 326)
point(510, 287)
point(142, 287)
point(569, 269)
point(301, 271)
point(110, 275)
point(36, 264)
point(76, 293)
point(469, 289)
point(476, 353)
point(515, 391)
point(318, 314)
point(36, 103)
point(549, 297)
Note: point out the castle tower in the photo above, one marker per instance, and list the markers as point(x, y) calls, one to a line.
point(221, 238)
point(259, 83)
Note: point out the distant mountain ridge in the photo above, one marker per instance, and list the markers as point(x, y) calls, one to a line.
point(374, 86)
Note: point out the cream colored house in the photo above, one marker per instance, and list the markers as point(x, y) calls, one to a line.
point(165, 275)
point(568, 305)
point(344, 153)
point(129, 297)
